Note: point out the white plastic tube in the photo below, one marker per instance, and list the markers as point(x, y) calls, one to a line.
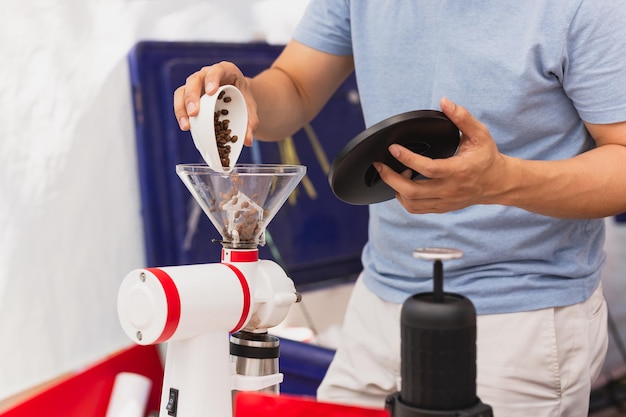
point(129, 397)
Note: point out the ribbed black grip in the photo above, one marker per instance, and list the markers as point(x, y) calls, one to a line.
point(438, 352)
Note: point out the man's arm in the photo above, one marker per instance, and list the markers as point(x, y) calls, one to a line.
point(295, 88)
point(590, 185)
point(281, 99)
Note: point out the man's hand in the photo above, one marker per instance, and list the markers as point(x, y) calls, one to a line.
point(208, 80)
point(473, 176)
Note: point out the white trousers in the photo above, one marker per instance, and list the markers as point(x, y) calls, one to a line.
point(539, 363)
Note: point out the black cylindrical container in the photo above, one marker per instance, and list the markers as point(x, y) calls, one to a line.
point(438, 352)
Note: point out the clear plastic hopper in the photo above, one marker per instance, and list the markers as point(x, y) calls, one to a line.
point(242, 202)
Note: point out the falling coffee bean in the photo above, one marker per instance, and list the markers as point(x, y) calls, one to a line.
point(222, 131)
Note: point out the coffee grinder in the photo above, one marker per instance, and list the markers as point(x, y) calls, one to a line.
point(214, 317)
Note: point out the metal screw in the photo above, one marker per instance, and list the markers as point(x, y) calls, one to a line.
point(353, 97)
point(142, 277)
point(139, 336)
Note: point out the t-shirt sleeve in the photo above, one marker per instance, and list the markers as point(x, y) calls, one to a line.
point(325, 26)
point(595, 61)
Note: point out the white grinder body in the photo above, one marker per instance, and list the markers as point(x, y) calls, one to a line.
point(194, 308)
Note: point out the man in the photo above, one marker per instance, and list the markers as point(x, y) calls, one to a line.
point(541, 94)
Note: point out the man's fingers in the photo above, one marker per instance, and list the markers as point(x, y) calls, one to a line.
point(180, 110)
point(193, 90)
point(428, 167)
point(471, 128)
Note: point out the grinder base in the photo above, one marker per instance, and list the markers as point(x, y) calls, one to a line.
point(397, 408)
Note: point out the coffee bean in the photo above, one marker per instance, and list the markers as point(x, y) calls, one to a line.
point(222, 131)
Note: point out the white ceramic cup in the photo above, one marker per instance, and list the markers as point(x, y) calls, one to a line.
point(202, 126)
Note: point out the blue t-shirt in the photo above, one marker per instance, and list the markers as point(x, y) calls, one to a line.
point(530, 70)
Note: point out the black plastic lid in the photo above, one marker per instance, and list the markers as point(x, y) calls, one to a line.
point(352, 176)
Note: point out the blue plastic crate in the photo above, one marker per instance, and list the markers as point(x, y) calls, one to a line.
point(303, 365)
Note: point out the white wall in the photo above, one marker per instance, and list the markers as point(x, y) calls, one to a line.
point(70, 225)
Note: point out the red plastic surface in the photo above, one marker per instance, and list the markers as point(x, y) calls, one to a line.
point(87, 393)
point(251, 404)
